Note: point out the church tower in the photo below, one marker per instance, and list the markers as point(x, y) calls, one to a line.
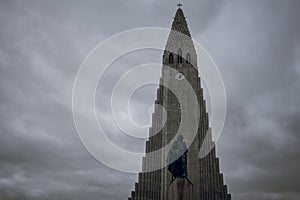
point(179, 65)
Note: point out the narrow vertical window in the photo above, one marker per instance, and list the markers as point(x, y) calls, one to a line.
point(188, 58)
point(171, 58)
point(179, 120)
point(179, 56)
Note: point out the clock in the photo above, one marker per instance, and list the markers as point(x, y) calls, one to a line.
point(179, 76)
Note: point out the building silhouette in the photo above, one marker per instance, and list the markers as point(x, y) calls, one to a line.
point(203, 173)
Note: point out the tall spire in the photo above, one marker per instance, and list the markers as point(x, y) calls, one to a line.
point(179, 23)
point(179, 59)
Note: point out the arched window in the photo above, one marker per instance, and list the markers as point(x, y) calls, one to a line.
point(188, 58)
point(179, 56)
point(171, 58)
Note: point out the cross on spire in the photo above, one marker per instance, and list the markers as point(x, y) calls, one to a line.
point(179, 5)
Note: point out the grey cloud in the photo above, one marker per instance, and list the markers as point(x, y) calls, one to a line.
point(42, 44)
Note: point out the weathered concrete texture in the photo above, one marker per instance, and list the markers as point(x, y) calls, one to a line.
point(180, 189)
point(204, 173)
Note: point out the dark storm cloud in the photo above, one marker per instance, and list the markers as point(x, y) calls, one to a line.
point(254, 43)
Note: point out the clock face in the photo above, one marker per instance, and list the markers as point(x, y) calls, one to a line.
point(179, 76)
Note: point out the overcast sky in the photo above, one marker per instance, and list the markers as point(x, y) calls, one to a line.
point(255, 44)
